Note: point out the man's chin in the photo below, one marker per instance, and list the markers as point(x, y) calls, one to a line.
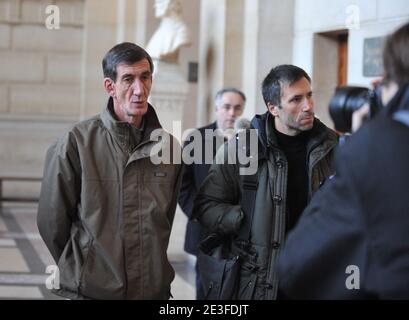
point(306, 127)
point(137, 112)
point(229, 125)
point(306, 124)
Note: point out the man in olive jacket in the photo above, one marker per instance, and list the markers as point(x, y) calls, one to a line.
point(295, 155)
point(107, 204)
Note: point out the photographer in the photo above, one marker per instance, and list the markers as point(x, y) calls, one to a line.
point(352, 241)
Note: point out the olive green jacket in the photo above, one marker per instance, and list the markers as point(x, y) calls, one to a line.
point(106, 211)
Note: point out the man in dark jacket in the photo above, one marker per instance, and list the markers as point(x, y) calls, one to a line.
point(229, 106)
point(107, 205)
point(353, 240)
point(295, 156)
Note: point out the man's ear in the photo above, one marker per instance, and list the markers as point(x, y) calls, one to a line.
point(109, 86)
point(273, 109)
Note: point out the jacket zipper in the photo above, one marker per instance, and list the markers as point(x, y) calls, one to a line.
point(123, 233)
point(279, 235)
point(141, 240)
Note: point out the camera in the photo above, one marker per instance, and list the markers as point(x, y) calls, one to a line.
point(348, 99)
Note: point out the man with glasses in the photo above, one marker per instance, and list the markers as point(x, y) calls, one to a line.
point(229, 107)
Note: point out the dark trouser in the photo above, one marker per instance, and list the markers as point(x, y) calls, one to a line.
point(199, 290)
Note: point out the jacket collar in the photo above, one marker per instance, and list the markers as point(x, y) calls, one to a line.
point(264, 123)
point(215, 135)
point(121, 129)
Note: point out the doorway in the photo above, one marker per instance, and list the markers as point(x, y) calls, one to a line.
point(330, 69)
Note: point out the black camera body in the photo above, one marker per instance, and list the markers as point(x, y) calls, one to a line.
point(348, 99)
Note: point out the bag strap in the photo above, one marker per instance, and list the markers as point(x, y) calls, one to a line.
point(248, 201)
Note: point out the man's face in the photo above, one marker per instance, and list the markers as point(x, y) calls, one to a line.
point(297, 108)
point(131, 89)
point(229, 108)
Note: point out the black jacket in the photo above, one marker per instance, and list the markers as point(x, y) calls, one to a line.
point(359, 218)
point(193, 176)
point(218, 202)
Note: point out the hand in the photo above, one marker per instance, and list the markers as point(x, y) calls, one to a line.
point(359, 116)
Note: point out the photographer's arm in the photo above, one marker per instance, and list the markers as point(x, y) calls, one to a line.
point(329, 237)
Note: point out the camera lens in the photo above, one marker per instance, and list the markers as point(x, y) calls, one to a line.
point(345, 101)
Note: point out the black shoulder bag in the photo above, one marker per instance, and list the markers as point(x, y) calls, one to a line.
point(220, 269)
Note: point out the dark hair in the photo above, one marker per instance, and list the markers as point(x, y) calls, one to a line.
point(221, 92)
point(277, 77)
point(396, 56)
point(125, 52)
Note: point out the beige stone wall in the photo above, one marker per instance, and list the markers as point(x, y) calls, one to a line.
point(40, 68)
point(40, 81)
point(317, 54)
point(240, 41)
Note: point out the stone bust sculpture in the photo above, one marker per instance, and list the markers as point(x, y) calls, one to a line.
point(171, 34)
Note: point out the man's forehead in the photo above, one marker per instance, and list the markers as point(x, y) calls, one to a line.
point(301, 86)
point(140, 66)
point(229, 97)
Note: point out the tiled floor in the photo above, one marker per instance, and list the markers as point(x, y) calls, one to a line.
point(24, 257)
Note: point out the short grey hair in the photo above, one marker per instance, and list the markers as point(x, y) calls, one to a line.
point(221, 92)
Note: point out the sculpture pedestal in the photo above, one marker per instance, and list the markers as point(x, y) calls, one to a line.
point(168, 95)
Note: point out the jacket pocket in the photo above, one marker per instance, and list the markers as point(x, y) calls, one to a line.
point(72, 260)
point(99, 277)
point(248, 281)
point(84, 266)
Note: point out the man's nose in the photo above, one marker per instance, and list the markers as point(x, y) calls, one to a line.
point(308, 105)
point(232, 112)
point(137, 88)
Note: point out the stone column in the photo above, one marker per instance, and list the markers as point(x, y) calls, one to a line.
point(220, 52)
point(241, 40)
point(268, 39)
point(106, 24)
point(168, 96)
